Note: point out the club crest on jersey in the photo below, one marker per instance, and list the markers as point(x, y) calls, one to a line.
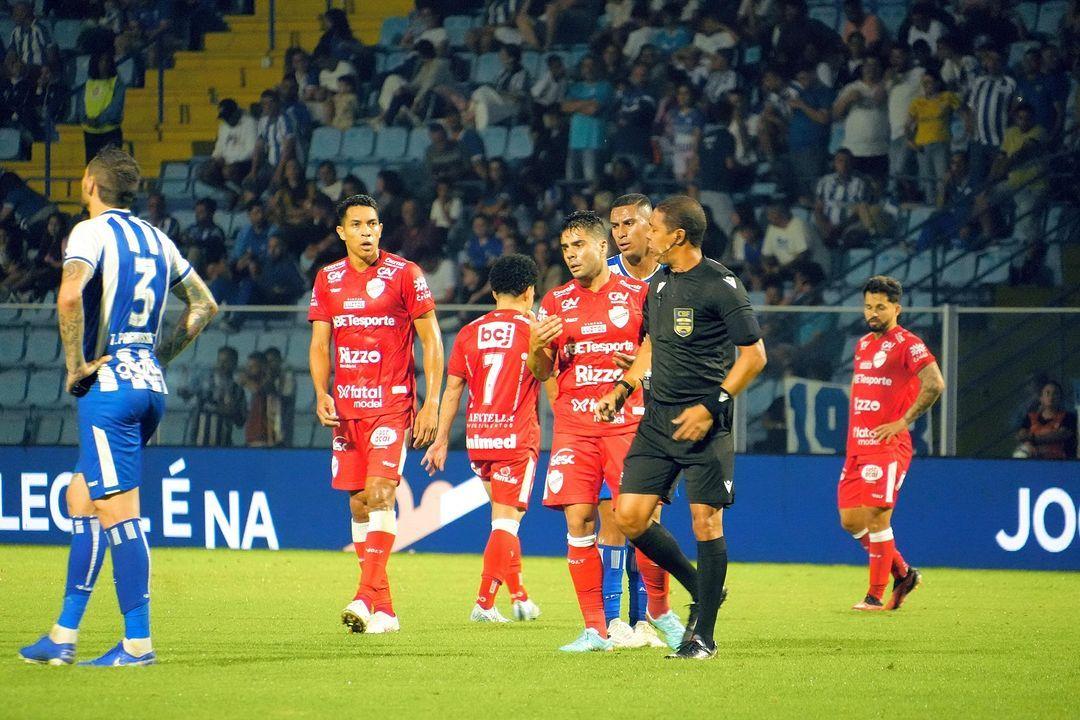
point(684, 321)
point(619, 316)
point(879, 358)
point(375, 287)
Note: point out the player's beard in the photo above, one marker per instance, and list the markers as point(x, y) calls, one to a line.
point(875, 325)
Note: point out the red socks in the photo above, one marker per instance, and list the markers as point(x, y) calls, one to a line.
point(587, 573)
point(656, 581)
point(374, 582)
point(513, 577)
point(502, 563)
point(899, 565)
point(882, 549)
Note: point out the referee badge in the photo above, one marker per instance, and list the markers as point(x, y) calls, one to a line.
point(684, 321)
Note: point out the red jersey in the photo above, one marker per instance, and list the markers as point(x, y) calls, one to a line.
point(372, 315)
point(501, 419)
point(596, 325)
point(884, 387)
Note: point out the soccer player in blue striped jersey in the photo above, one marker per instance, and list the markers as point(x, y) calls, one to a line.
point(629, 229)
point(118, 270)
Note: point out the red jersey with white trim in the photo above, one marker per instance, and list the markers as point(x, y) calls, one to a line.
point(884, 386)
point(489, 354)
point(596, 325)
point(371, 314)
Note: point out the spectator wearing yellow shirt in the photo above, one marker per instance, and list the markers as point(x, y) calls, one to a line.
point(1022, 170)
point(930, 118)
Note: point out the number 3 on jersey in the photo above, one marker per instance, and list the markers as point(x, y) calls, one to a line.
point(143, 294)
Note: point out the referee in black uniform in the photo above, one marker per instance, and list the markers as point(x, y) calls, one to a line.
point(704, 347)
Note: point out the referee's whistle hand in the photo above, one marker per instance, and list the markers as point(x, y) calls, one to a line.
point(692, 424)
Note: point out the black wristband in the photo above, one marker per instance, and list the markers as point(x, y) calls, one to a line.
point(715, 403)
point(628, 386)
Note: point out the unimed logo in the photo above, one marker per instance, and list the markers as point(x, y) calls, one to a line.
point(1031, 520)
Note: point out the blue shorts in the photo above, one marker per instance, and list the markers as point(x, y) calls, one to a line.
point(113, 428)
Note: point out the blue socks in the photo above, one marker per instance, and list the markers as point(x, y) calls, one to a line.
point(131, 571)
point(613, 558)
point(84, 563)
point(639, 599)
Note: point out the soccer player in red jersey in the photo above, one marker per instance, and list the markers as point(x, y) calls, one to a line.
point(371, 305)
point(580, 328)
point(896, 380)
point(502, 426)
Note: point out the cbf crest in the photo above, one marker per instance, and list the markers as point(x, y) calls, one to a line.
point(684, 321)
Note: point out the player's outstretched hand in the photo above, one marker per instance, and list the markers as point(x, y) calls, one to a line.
point(78, 382)
point(885, 433)
point(425, 425)
point(692, 424)
point(607, 406)
point(324, 409)
point(434, 459)
point(623, 360)
point(542, 332)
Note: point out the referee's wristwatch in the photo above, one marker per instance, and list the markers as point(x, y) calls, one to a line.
point(628, 386)
point(715, 403)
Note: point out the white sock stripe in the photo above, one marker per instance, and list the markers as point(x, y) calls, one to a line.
point(506, 525)
point(359, 531)
point(114, 535)
point(130, 529)
point(882, 536)
point(95, 543)
point(587, 541)
point(382, 521)
point(859, 535)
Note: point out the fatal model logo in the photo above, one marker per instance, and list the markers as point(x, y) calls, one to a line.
point(684, 321)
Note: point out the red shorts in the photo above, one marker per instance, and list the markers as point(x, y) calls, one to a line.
point(369, 447)
point(872, 480)
point(511, 480)
point(579, 464)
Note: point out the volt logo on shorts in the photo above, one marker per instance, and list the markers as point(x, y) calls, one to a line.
point(383, 437)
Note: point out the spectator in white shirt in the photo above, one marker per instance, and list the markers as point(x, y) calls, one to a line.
point(550, 89)
point(840, 203)
point(903, 82)
point(924, 27)
point(787, 239)
point(714, 35)
point(326, 180)
point(30, 40)
point(865, 106)
point(231, 160)
point(446, 207)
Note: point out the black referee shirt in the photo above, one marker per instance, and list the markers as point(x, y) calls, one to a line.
point(695, 319)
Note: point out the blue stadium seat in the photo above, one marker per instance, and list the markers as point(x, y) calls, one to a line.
point(921, 267)
point(1051, 15)
point(12, 430)
point(296, 355)
point(175, 179)
point(206, 348)
point(367, 175)
point(992, 265)
point(357, 143)
point(486, 68)
point(244, 341)
point(44, 387)
point(892, 16)
point(855, 259)
point(533, 62)
point(457, 26)
point(6, 26)
point(419, 139)
point(959, 270)
point(82, 69)
point(276, 339)
point(172, 430)
point(751, 55)
point(1017, 50)
point(49, 429)
point(325, 144)
point(305, 397)
point(390, 61)
point(836, 137)
point(184, 217)
point(827, 14)
point(12, 386)
point(494, 138)
point(65, 33)
point(69, 434)
point(1028, 13)
point(11, 350)
point(390, 143)
point(519, 144)
point(892, 262)
point(42, 346)
point(126, 71)
point(9, 143)
point(393, 28)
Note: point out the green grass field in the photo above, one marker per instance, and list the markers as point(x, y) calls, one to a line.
point(256, 634)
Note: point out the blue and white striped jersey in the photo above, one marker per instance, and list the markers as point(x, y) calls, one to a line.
point(134, 265)
point(615, 262)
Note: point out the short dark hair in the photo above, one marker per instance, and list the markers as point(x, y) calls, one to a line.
point(585, 220)
point(635, 199)
point(513, 51)
point(845, 151)
point(513, 274)
point(209, 203)
point(117, 176)
point(230, 351)
point(890, 287)
point(681, 211)
point(355, 201)
point(272, 94)
point(272, 351)
point(1025, 106)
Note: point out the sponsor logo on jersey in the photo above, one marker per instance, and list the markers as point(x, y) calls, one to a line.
point(554, 480)
point(627, 284)
point(888, 345)
point(391, 262)
point(619, 298)
point(918, 352)
point(729, 484)
point(362, 397)
point(504, 474)
point(589, 375)
point(730, 280)
point(340, 443)
point(619, 316)
point(420, 286)
point(562, 456)
point(314, 300)
point(864, 405)
point(486, 418)
point(353, 304)
point(871, 473)
point(593, 328)
point(866, 365)
point(563, 291)
point(365, 321)
point(478, 442)
point(684, 321)
point(495, 335)
point(863, 344)
point(864, 436)
point(334, 276)
point(861, 379)
point(541, 314)
point(383, 437)
point(584, 405)
point(570, 304)
point(131, 338)
point(604, 348)
point(385, 273)
point(879, 358)
point(348, 357)
point(375, 287)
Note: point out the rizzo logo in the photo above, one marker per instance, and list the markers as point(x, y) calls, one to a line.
point(684, 321)
point(864, 405)
point(383, 437)
point(495, 335)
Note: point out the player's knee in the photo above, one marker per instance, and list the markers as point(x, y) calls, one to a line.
point(379, 494)
point(631, 524)
point(708, 524)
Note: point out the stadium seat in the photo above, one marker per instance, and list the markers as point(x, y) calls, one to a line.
point(126, 71)
point(69, 433)
point(49, 429)
point(325, 144)
point(921, 267)
point(992, 266)
point(1051, 15)
point(244, 342)
point(11, 350)
point(44, 387)
point(519, 144)
point(305, 398)
point(892, 16)
point(1017, 50)
point(276, 339)
point(367, 174)
point(42, 346)
point(457, 27)
point(357, 143)
point(392, 30)
point(206, 348)
point(533, 62)
point(9, 144)
point(486, 68)
point(12, 430)
point(66, 33)
point(836, 137)
point(82, 69)
point(861, 261)
point(494, 137)
point(959, 269)
point(892, 262)
point(390, 143)
point(751, 55)
point(390, 61)
point(1028, 12)
point(419, 139)
point(12, 386)
point(184, 217)
point(826, 14)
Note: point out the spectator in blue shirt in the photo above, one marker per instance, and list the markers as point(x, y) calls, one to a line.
point(587, 100)
point(809, 103)
point(634, 111)
point(253, 239)
point(204, 241)
point(1039, 90)
point(484, 247)
point(673, 35)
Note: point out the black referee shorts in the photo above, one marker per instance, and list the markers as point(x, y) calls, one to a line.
point(654, 461)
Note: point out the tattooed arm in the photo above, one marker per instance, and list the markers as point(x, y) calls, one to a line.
point(200, 309)
point(931, 385)
point(69, 311)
